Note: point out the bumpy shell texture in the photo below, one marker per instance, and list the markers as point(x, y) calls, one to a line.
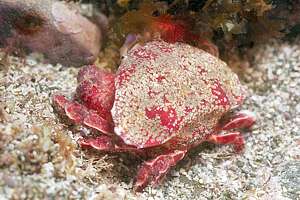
point(167, 90)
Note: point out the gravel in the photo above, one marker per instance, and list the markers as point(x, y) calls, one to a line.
point(39, 157)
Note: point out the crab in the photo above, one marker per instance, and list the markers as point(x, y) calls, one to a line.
point(165, 99)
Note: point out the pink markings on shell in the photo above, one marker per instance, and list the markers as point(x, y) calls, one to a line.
point(164, 48)
point(124, 74)
point(152, 93)
point(217, 91)
point(160, 78)
point(188, 109)
point(168, 118)
point(145, 54)
point(201, 70)
point(151, 142)
point(188, 77)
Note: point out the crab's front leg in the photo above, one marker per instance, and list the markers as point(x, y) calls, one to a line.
point(107, 143)
point(152, 171)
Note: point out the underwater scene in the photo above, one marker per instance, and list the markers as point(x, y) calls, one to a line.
point(150, 99)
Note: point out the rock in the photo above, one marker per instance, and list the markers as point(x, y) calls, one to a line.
point(50, 27)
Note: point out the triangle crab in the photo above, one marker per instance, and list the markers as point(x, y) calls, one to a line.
point(165, 99)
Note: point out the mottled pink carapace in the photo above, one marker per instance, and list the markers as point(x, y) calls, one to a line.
point(166, 92)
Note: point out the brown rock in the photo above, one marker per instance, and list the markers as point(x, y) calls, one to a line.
point(53, 28)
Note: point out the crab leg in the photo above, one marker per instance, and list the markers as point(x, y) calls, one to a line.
point(79, 114)
point(153, 171)
point(242, 119)
point(107, 143)
point(234, 138)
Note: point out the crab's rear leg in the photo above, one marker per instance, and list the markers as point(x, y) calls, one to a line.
point(240, 120)
point(152, 171)
point(235, 138)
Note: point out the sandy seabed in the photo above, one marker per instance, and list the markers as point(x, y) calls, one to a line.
point(39, 157)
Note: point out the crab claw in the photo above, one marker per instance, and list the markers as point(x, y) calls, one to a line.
point(96, 90)
point(79, 114)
